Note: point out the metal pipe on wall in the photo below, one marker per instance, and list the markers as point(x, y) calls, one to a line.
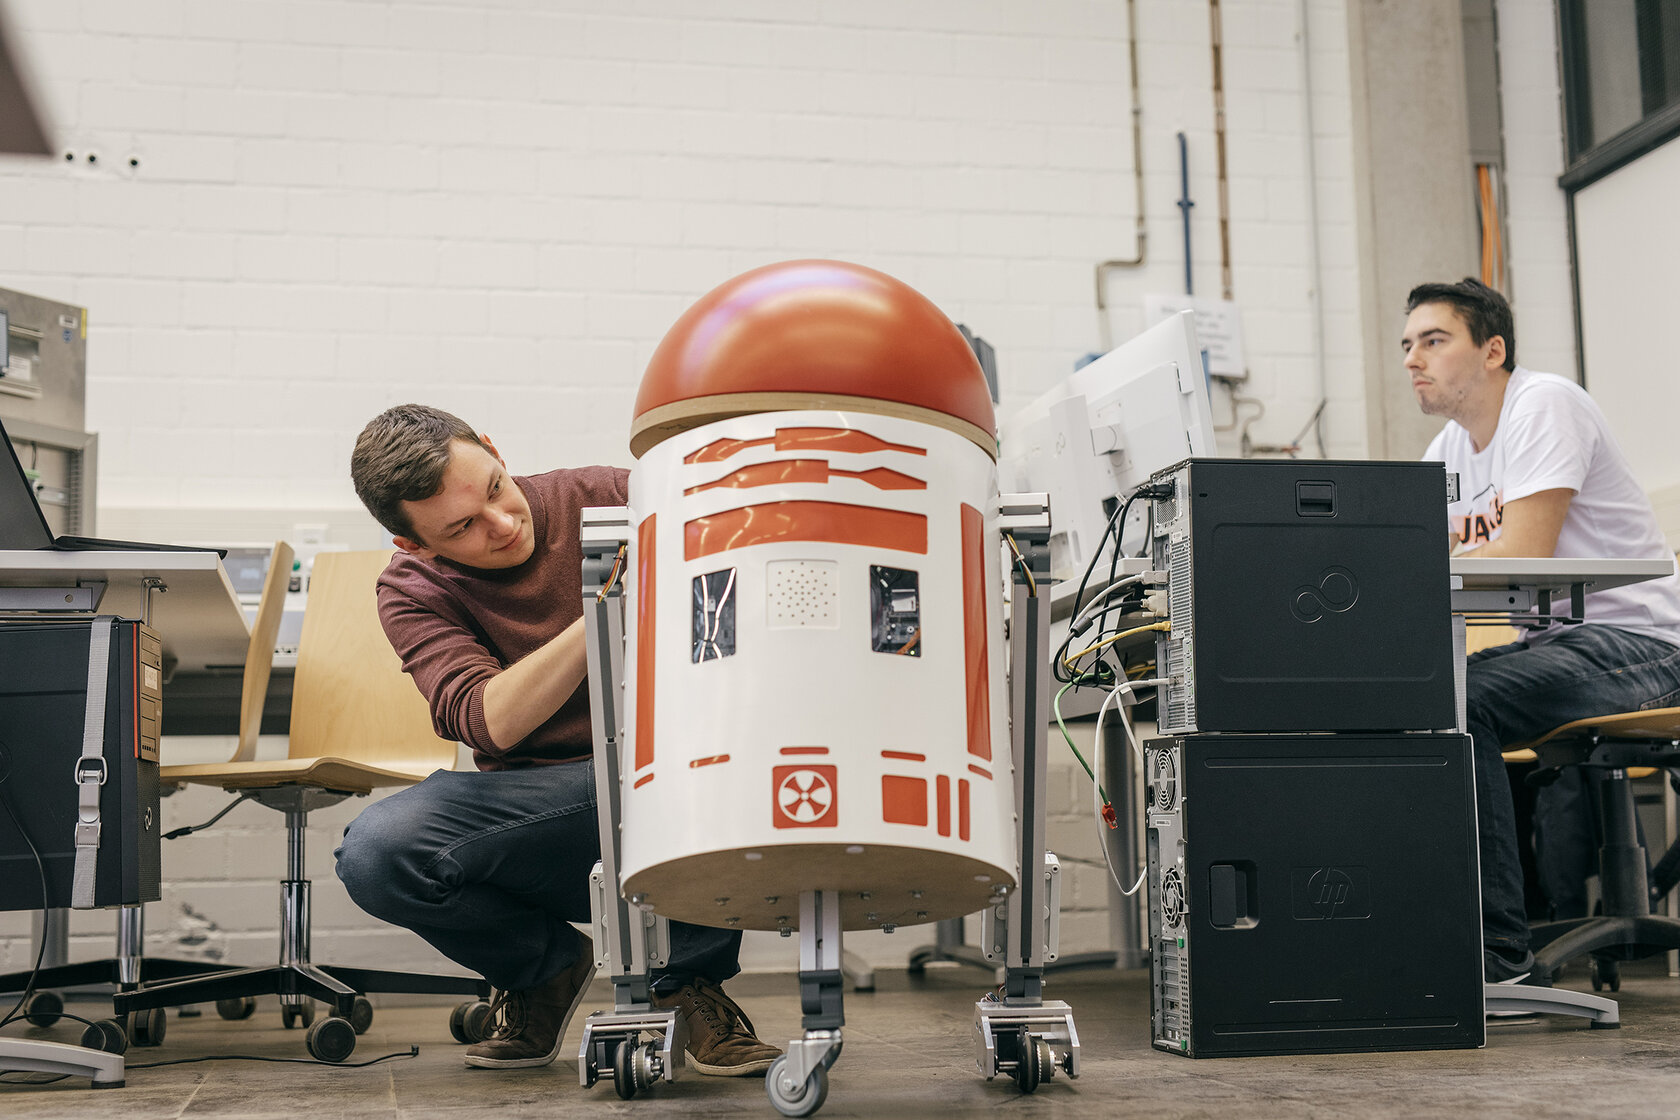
point(1104, 331)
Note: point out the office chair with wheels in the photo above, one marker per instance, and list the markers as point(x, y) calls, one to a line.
point(1627, 929)
point(129, 967)
point(358, 724)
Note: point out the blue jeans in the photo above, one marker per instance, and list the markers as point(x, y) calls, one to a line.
point(1519, 692)
point(492, 868)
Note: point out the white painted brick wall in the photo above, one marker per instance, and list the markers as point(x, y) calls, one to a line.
point(1541, 288)
point(499, 209)
point(334, 193)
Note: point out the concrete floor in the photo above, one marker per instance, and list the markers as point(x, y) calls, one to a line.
point(909, 1052)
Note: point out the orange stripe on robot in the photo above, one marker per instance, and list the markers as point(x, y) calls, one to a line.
point(980, 770)
point(962, 809)
point(906, 755)
point(802, 439)
point(711, 760)
point(977, 675)
point(814, 471)
point(942, 804)
point(642, 781)
point(831, 522)
point(804, 750)
point(644, 642)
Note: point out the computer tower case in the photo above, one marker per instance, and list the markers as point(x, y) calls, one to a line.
point(1304, 595)
point(1313, 893)
point(44, 683)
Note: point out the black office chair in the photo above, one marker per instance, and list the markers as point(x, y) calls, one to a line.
point(1627, 929)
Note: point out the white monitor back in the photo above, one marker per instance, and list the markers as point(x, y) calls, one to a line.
point(1101, 432)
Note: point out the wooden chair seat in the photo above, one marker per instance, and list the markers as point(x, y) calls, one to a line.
point(342, 775)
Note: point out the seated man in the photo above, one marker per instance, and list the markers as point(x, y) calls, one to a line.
point(1539, 475)
point(483, 605)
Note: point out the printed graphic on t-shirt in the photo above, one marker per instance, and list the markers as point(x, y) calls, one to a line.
point(1479, 528)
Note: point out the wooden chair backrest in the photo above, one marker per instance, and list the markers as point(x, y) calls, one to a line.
point(350, 697)
point(259, 656)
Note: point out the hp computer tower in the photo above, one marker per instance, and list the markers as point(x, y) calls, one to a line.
point(1313, 893)
point(1304, 595)
point(45, 680)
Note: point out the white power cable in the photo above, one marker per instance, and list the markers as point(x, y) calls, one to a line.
point(1100, 596)
point(1122, 689)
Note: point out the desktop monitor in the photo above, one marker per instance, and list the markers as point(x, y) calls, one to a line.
point(1101, 433)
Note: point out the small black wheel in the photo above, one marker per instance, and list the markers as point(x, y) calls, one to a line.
point(1029, 1065)
point(1606, 973)
point(241, 1007)
point(331, 1040)
point(624, 1074)
point(107, 1035)
point(146, 1028)
point(297, 1014)
point(43, 1009)
point(471, 1021)
point(795, 1100)
point(361, 1014)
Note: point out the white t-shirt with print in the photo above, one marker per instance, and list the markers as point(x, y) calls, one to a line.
point(1551, 435)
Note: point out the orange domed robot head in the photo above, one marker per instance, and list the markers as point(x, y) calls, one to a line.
point(812, 334)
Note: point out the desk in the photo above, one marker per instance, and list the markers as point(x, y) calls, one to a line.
point(1517, 584)
point(1505, 589)
point(187, 599)
point(195, 611)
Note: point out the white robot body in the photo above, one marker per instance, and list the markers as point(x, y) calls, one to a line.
point(816, 690)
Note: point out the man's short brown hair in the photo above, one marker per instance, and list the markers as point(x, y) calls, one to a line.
point(401, 456)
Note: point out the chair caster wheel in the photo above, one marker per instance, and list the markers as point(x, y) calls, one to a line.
point(298, 1014)
point(146, 1028)
point(242, 1007)
point(107, 1035)
point(361, 1015)
point(331, 1040)
point(43, 1009)
point(795, 1100)
point(1606, 974)
point(470, 1021)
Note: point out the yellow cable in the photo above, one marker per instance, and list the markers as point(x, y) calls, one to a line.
point(1163, 627)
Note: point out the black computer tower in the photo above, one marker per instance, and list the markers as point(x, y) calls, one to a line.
point(1305, 595)
point(1313, 893)
point(44, 684)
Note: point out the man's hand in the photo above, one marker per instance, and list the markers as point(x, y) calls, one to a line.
point(520, 698)
point(1530, 526)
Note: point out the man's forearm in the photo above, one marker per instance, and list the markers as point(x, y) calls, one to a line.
point(521, 697)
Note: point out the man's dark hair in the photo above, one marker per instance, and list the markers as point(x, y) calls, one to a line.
point(401, 456)
point(1483, 310)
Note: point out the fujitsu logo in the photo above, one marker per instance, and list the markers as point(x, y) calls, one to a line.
point(1337, 591)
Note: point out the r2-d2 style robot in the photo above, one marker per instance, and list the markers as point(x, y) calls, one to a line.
point(804, 602)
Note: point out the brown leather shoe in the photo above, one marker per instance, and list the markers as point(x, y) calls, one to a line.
point(531, 1024)
point(721, 1041)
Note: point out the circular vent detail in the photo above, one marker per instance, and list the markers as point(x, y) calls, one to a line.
point(1163, 780)
point(1172, 897)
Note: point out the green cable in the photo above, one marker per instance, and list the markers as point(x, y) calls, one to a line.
point(1057, 707)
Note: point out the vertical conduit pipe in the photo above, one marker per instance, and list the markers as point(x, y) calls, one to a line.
point(1184, 205)
point(1104, 331)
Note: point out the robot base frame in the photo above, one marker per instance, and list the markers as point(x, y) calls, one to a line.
point(1017, 1031)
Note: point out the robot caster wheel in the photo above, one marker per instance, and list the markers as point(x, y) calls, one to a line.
point(791, 1099)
